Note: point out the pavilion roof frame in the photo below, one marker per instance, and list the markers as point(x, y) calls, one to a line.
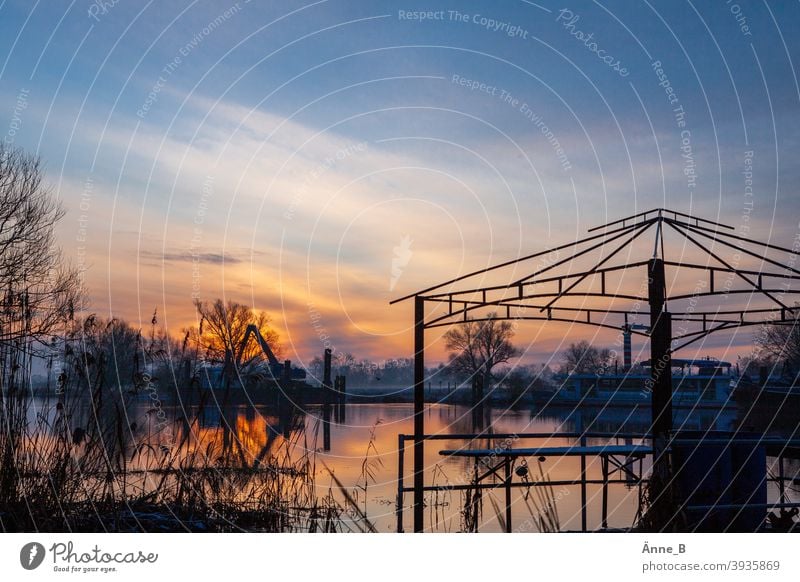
point(466, 303)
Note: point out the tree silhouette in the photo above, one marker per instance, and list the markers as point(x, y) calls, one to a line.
point(583, 358)
point(38, 290)
point(781, 343)
point(476, 347)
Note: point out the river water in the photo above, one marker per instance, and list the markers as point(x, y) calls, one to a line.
point(357, 456)
point(362, 453)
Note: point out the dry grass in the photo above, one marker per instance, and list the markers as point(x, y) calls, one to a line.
point(88, 459)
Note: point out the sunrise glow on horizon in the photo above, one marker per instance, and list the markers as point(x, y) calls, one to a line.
point(374, 150)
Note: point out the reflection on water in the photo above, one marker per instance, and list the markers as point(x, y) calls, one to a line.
point(347, 439)
point(357, 445)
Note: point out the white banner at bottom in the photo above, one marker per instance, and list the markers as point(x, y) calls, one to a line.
point(416, 558)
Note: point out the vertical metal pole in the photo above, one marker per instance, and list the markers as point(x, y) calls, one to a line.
point(660, 356)
point(604, 465)
point(661, 395)
point(419, 409)
point(401, 453)
point(508, 494)
point(781, 482)
point(583, 486)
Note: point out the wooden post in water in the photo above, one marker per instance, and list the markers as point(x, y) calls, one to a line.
point(341, 388)
point(341, 392)
point(284, 406)
point(326, 400)
point(326, 427)
point(326, 375)
point(335, 399)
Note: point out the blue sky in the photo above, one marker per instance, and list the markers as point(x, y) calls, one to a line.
point(279, 152)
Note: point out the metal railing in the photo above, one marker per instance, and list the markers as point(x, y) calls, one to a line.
point(582, 439)
point(777, 448)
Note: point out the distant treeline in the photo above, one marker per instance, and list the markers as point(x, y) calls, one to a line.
point(400, 372)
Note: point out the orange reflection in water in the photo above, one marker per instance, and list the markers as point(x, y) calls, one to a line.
point(363, 456)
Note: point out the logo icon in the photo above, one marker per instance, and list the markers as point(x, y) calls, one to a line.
point(31, 555)
point(402, 255)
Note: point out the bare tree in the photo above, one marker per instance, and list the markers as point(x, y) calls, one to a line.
point(344, 362)
point(781, 343)
point(583, 358)
point(38, 290)
point(222, 328)
point(476, 347)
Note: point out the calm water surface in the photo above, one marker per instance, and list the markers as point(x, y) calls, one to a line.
point(362, 453)
point(365, 439)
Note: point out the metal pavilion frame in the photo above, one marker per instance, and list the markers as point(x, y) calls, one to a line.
point(524, 299)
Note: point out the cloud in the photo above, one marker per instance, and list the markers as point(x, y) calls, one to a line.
point(280, 214)
point(201, 256)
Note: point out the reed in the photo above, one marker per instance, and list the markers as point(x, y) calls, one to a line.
point(84, 459)
point(540, 500)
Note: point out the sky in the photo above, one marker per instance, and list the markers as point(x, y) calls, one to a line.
point(316, 160)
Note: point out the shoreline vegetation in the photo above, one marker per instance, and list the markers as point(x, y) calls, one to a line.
point(79, 461)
